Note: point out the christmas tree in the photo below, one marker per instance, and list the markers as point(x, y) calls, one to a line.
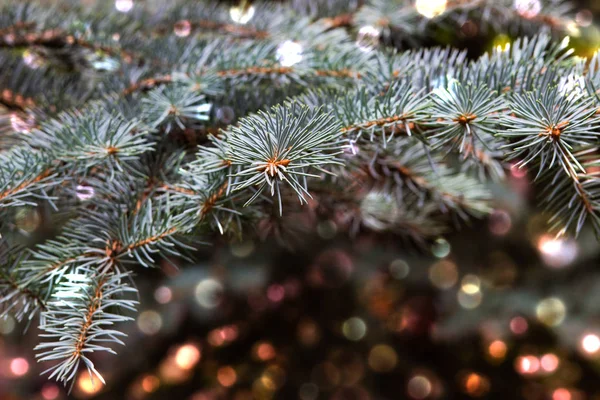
point(225, 174)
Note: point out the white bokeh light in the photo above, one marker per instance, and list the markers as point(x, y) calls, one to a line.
point(590, 343)
point(124, 5)
point(289, 53)
point(528, 8)
point(557, 252)
point(241, 15)
point(209, 292)
point(367, 38)
point(84, 192)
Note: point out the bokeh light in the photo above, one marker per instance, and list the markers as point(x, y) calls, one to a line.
point(182, 28)
point(399, 269)
point(209, 293)
point(19, 366)
point(528, 364)
point(242, 249)
point(528, 8)
point(549, 362)
point(21, 124)
point(561, 394)
point(497, 349)
point(187, 356)
point(226, 376)
point(431, 8)
point(551, 311)
point(7, 325)
point(150, 383)
point(289, 53)
point(309, 333)
point(242, 14)
point(500, 222)
point(518, 325)
point(470, 284)
point(149, 322)
point(275, 293)
point(367, 38)
point(475, 385)
point(163, 295)
point(590, 343)
point(441, 248)
point(50, 391)
point(469, 300)
point(28, 219)
point(124, 5)
point(584, 18)
point(84, 192)
point(382, 358)
point(443, 274)
point(419, 387)
point(89, 385)
point(354, 328)
point(264, 351)
point(557, 252)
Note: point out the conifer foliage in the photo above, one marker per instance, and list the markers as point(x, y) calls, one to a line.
point(143, 132)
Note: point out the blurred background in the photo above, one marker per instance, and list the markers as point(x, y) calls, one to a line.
point(497, 310)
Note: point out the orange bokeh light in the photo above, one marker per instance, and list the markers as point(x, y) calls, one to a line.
point(497, 349)
point(226, 376)
point(150, 383)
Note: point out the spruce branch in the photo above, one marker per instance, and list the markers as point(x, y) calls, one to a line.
point(419, 179)
point(206, 198)
point(549, 126)
point(92, 138)
point(399, 109)
point(150, 231)
point(573, 200)
point(463, 116)
point(25, 175)
point(15, 297)
point(285, 145)
point(174, 106)
point(132, 84)
point(79, 322)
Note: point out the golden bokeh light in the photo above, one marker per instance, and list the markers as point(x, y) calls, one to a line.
point(475, 385)
point(497, 349)
point(431, 8)
point(89, 385)
point(382, 358)
point(551, 311)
